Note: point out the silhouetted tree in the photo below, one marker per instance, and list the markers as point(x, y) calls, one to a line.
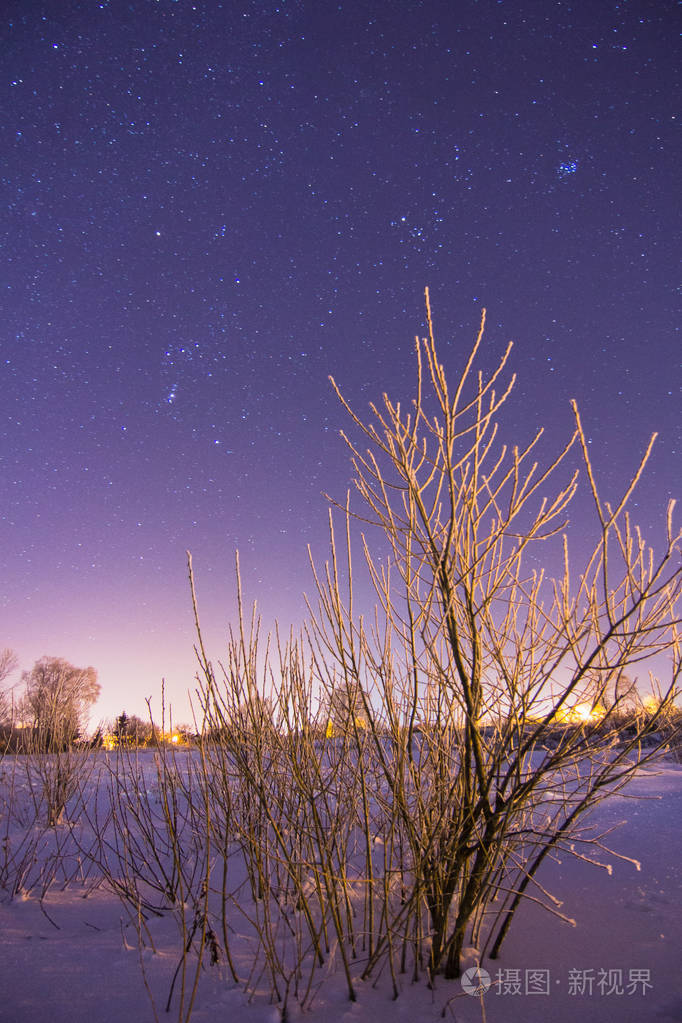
point(97, 740)
point(121, 728)
point(131, 730)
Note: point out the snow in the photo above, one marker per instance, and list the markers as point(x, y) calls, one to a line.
point(74, 956)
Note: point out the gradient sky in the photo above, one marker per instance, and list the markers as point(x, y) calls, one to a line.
point(209, 207)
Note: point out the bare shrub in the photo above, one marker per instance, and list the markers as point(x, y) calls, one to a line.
point(389, 785)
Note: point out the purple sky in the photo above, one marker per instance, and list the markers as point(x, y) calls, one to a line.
point(209, 207)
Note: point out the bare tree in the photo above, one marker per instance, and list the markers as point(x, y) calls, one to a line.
point(56, 699)
point(343, 708)
point(8, 664)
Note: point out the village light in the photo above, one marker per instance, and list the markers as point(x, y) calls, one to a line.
point(580, 713)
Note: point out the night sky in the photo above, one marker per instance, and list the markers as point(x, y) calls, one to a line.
point(207, 208)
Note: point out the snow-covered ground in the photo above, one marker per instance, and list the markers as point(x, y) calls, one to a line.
point(75, 956)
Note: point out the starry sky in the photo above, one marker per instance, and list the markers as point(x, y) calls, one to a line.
point(207, 208)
